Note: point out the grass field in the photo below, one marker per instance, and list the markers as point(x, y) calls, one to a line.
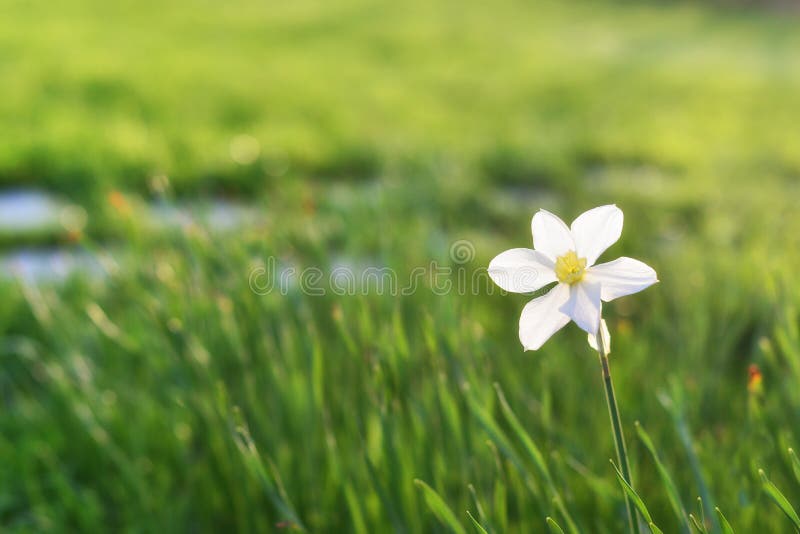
point(165, 394)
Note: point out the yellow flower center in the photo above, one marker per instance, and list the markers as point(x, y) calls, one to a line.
point(570, 268)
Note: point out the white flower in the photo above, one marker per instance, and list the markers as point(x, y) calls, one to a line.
point(602, 336)
point(567, 255)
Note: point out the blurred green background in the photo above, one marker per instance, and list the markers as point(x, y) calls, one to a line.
point(155, 156)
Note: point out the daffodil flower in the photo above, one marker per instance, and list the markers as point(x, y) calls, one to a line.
point(567, 255)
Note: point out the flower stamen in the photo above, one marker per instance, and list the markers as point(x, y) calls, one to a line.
point(570, 268)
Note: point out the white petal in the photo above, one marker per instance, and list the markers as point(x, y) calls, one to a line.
point(583, 305)
point(541, 317)
point(596, 230)
point(550, 235)
point(606, 338)
point(521, 270)
point(621, 277)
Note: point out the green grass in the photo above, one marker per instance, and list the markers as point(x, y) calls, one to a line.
point(171, 397)
point(116, 93)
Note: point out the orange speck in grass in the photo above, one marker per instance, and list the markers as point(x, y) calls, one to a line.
point(309, 205)
point(336, 313)
point(624, 326)
point(118, 201)
point(74, 236)
point(755, 380)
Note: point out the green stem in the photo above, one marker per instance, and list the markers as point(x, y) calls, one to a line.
point(616, 425)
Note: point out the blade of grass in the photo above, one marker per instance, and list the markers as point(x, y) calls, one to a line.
point(779, 499)
point(477, 525)
point(666, 480)
point(439, 507)
point(530, 447)
point(553, 526)
point(536, 456)
point(499, 508)
point(501, 442)
point(271, 482)
point(637, 501)
point(479, 507)
point(359, 526)
point(726, 527)
point(674, 404)
point(795, 464)
point(698, 526)
point(386, 501)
